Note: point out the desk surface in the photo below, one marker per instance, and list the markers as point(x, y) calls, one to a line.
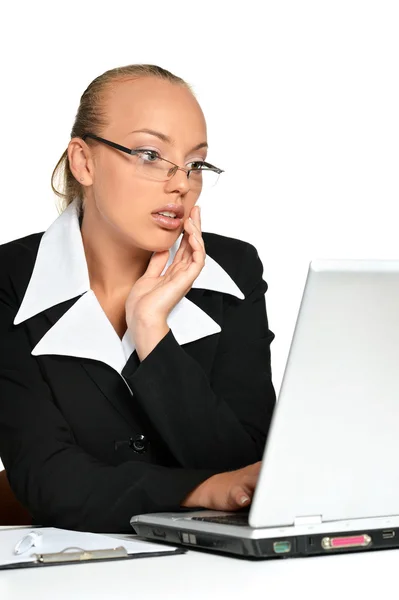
point(198, 575)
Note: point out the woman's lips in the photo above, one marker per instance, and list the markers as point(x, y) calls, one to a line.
point(167, 222)
point(176, 209)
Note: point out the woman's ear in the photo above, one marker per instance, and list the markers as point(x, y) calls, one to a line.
point(81, 161)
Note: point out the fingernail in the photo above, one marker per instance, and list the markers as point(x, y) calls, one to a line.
point(244, 499)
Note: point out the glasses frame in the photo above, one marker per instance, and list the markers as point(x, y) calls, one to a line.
point(174, 169)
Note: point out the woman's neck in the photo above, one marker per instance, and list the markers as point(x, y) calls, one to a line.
point(113, 266)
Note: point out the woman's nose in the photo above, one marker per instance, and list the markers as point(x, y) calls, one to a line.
point(179, 182)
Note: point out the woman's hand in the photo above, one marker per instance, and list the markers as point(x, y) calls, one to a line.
point(225, 491)
point(153, 296)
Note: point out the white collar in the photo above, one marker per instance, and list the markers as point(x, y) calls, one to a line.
point(60, 273)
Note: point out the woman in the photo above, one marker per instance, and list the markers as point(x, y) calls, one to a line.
point(134, 350)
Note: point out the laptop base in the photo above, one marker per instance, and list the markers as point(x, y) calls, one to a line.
point(276, 546)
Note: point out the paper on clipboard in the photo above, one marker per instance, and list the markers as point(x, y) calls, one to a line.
point(54, 540)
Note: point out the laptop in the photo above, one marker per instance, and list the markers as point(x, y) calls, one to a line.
point(329, 481)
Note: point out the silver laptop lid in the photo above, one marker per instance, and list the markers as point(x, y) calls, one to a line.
point(333, 447)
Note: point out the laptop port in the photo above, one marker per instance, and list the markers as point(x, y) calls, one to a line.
point(281, 547)
point(388, 534)
point(347, 541)
point(188, 538)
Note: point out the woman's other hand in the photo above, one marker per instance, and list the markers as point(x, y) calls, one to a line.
point(225, 491)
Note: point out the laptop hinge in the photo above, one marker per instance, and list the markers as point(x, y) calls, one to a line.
point(308, 520)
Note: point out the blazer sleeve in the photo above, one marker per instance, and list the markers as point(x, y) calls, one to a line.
point(59, 483)
point(220, 423)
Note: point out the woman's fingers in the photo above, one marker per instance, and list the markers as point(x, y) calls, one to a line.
point(238, 498)
point(192, 247)
point(197, 261)
point(187, 250)
point(180, 256)
point(241, 495)
point(157, 264)
point(182, 248)
point(196, 223)
point(197, 218)
point(193, 231)
point(191, 226)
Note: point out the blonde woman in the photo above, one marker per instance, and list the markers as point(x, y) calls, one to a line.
point(134, 348)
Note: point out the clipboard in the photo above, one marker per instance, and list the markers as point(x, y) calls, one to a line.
point(122, 549)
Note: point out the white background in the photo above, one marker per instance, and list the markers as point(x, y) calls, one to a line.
point(301, 99)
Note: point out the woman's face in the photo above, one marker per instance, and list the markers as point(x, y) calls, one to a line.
point(123, 196)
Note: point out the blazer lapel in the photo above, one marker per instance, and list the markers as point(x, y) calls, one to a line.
point(84, 331)
point(111, 384)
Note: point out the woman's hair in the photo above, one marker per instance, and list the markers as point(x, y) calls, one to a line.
point(91, 118)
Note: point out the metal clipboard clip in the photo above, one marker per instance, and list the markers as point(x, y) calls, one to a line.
point(80, 555)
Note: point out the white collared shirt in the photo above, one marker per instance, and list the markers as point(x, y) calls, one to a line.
point(60, 273)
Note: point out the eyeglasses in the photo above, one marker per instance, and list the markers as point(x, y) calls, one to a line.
point(151, 165)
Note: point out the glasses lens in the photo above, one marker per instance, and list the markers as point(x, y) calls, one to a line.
point(203, 178)
point(149, 165)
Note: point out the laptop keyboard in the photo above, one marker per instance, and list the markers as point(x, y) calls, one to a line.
point(233, 519)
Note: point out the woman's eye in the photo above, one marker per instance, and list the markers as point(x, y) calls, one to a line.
point(196, 165)
point(149, 155)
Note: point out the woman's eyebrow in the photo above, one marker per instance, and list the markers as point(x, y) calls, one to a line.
point(166, 138)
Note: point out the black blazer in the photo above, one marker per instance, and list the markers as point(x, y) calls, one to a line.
point(71, 426)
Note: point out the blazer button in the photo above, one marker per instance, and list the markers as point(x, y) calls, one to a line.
point(139, 444)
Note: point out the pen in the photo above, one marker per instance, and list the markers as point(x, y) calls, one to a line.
point(27, 542)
